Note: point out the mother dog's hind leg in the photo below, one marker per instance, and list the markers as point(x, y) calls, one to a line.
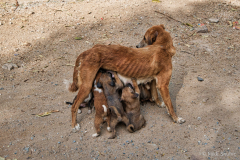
point(163, 80)
point(87, 78)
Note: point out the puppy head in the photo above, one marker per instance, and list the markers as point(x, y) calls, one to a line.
point(152, 35)
point(128, 94)
point(106, 78)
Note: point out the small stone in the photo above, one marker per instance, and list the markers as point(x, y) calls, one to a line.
point(1, 23)
point(9, 66)
point(74, 141)
point(26, 149)
point(202, 29)
point(59, 142)
point(205, 100)
point(27, 44)
point(199, 118)
point(16, 49)
point(200, 79)
point(213, 20)
point(2, 88)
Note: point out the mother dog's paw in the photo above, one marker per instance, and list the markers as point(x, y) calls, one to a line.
point(76, 128)
point(180, 120)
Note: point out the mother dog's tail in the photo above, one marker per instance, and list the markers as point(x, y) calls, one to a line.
point(71, 86)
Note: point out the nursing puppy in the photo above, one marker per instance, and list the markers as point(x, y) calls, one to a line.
point(150, 61)
point(101, 106)
point(87, 102)
point(111, 84)
point(131, 99)
point(145, 92)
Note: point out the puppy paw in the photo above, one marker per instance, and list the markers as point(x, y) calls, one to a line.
point(95, 135)
point(180, 120)
point(89, 111)
point(76, 128)
point(109, 129)
point(79, 111)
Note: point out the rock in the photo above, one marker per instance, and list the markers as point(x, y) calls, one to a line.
point(199, 118)
point(205, 100)
point(213, 20)
point(27, 44)
point(26, 149)
point(200, 79)
point(1, 23)
point(202, 29)
point(9, 66)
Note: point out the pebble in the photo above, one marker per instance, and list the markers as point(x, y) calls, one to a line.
point(199, 118)
point(2, 88)
point(213, 20)
point(1, 23)
point(59, 142)
point(200, 79)
point(9, 66)
point(26, 149)
point(202, 29)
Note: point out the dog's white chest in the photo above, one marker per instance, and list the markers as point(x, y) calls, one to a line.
point(126, 80)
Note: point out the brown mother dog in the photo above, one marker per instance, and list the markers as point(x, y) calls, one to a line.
point(152, 62)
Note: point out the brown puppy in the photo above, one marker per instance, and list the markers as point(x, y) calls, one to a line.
point(110, 89)
point(145, 92)
point(150, 63)
point(132, 106)
point(101, 106)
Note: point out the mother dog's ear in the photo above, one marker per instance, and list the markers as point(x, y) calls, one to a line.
point(161, 25)
point(152, 38)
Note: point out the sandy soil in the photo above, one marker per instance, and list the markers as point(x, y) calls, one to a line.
point(40, 38)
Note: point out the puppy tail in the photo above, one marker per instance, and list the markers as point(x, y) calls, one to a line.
point(130, 128)
point(70, 85)
point(114, 109)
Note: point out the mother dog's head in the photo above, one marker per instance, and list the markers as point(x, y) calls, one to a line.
point(157, 35)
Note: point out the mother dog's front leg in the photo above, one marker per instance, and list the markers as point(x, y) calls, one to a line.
point(163, 80)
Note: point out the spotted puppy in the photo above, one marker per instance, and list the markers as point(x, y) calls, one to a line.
point(111, 84)
point(131, 99)
point(101, 107)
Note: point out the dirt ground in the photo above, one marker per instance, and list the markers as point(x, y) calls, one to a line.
point(43, 38)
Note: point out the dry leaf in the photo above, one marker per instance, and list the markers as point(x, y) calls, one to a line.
point(47, 113)
point(158, 1)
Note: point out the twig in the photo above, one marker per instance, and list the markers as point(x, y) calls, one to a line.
point(188, 52)
point(16, 5)
point(168, 16)
point(186, 24)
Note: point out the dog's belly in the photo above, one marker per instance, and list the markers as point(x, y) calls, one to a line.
point(126, 80)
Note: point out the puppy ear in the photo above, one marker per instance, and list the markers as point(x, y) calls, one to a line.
point(135, 95)
point(161, 25)
point(99, 85)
